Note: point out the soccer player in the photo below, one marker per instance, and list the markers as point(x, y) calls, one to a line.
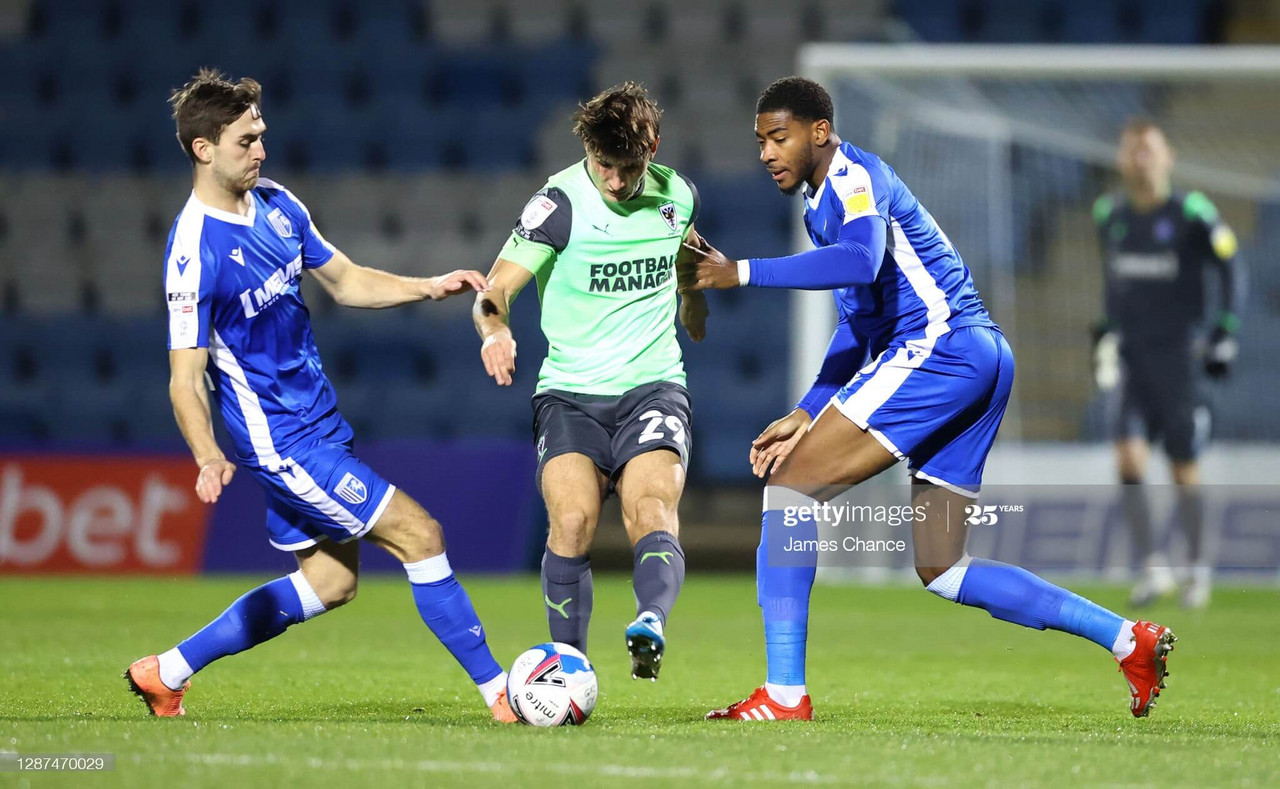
point(234, 260)
point(1158, 245)
point(933, 393)
point(611, 409)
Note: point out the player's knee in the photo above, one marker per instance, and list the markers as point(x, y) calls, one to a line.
point(653, 513)
point(335, 589)
point(571, 530)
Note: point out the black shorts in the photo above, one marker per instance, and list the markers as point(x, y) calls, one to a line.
point(1165, 399)
point(611, 430)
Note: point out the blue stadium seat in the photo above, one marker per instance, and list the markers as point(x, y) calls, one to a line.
point(1013, 21)
point(1090, 23)
point(1171, 21)
point(934, 21)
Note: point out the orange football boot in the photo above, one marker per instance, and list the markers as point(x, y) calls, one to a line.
point(144, 681)
point(1146, 667)
point(759, 707)
point(502, 709)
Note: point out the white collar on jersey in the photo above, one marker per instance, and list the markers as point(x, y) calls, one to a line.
point(812, 196)
point(227, 216)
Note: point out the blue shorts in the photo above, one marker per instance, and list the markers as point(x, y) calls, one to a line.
point(937, 403)
point(320, 491)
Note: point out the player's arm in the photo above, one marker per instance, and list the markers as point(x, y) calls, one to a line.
point(693, 303)
point(845, 355)
point(1103, 335)
point(190, 400)
point(353, 285)
point(492, 317)
point(540, 235)
point(854, 259)
point(1220, 249)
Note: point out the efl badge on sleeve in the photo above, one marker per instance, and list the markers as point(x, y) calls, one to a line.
point(536, 212)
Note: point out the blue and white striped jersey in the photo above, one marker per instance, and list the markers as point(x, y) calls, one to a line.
point(232, 284)
point(923, 288)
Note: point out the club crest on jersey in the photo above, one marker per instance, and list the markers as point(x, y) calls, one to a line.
point(668, 211)
point(351, 490)
point(280, 222)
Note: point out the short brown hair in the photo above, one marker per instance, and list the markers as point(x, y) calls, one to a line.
point(620, 123)
point(208, 104)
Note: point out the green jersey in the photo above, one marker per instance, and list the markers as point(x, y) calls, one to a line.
point(606, 279)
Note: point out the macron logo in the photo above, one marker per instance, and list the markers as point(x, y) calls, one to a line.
point(181, 263)
point(237, 255)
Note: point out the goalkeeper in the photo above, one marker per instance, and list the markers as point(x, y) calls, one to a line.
point(1158, 246)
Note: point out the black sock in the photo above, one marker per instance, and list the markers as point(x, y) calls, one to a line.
point(1191, 514)
point(659, 573)
point(567, 594)
point(1138, 512)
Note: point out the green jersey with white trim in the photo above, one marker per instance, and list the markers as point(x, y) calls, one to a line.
point(606, 279)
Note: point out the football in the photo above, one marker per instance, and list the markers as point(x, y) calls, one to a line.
point(552, 685)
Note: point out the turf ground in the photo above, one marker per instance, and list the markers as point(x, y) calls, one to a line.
point(908, 690)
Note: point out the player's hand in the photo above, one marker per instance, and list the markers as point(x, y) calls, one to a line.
point(454, 283)
point(712, 270)
point(776, 442)
point(693, 315)
point(214, 476)
point(1106, 361)
point(499, 356)
point(1220, 354)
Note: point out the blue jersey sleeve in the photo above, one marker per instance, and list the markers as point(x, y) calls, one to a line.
point(316, 251)
point(844, 357)
point(861, 195)
point(189, 278)
point(854, 259)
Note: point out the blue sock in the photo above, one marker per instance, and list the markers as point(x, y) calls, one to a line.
point(445, 608)
point(259, 615)
point(783, 594)
point(1015, 595)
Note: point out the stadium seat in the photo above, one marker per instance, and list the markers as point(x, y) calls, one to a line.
point(1170, 21)
point(933, 21)
point(1013, 21)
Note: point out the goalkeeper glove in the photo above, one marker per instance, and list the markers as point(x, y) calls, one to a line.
point(1106, 355)
point(1222, 348)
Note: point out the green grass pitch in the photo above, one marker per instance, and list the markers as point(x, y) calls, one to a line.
point(908, 689)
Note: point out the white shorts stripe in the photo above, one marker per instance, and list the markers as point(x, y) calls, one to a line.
point(970, 494)
point(876, 390)
point(304, 487)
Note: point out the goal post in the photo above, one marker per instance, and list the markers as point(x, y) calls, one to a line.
point(1009, 146)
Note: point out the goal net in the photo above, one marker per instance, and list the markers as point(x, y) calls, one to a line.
point(1008, 147)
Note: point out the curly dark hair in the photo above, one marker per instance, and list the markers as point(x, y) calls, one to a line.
point(620, 123)
point(803, 98)
point(208, 103)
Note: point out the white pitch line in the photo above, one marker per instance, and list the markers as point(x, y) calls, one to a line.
point(443, 766)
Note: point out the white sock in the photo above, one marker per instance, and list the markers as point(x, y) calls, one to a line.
point(657, 620)
point(492, 688)
point(1125, 641)
point(174, 670)
point(429, 570)
point(786, 695)
point(311, 605)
